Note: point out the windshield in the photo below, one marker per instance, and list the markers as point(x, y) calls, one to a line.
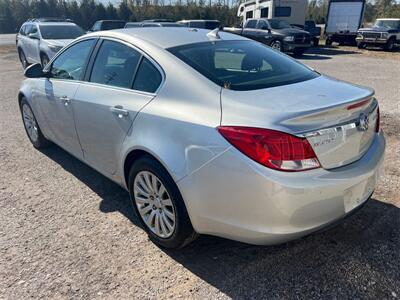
point(392, 24)
point(279, 24)
point(60, 32)
point(242, 65)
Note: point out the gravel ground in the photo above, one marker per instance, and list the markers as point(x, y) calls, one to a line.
point(68, 232)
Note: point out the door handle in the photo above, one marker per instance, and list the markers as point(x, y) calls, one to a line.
point(119, 110)
point(65, 100)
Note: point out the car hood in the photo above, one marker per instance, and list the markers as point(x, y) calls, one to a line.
point(58, 43)
point(289, 31)
point(375, 29)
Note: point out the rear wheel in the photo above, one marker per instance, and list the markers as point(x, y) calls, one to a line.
point(159, 204)
point(277, 45)
point(328, 42)
point(31, 126)
point(22, 58)
point(298, 52)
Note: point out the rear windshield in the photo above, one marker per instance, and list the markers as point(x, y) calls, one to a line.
point(242, 65)
point(60, 32)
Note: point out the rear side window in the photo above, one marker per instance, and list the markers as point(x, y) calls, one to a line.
point(242, 65)
point(148, 78)
point(115, 65)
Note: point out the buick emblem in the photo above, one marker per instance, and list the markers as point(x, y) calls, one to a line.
point(363, 122)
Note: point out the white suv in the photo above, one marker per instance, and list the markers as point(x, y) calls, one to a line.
point(39, 39)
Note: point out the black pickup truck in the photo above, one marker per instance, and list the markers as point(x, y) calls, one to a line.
point(275, 33)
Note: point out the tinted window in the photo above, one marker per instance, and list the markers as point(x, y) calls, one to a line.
point(262, 24)
point(242, 65)
point(148, 78)
point(264, 12)
point(70, 64)
point(113, 25)
point(251, 24)
point(283, 11)
point(249, 14)
point(60, 32)
point(212, 25)
point(279, 24)
point(115, 65)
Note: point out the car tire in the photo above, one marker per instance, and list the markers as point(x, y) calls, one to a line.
point(390, 45)
point(328, 42)
point(44, 59)
point(158, 204)
point(277, 45)
point(298, 52)
point(316, 42)
point(361, 45)
point(31, 126)
point(22, 58)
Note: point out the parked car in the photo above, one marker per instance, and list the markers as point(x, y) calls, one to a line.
point(210, 132)
point(108, 25)
point(385, 33)
point(344, 18)
point(276, 33)
point(38, 40)
point(202, 24)
point(152, 24)
point(313, 30)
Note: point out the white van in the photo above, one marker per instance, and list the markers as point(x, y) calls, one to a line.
point(292, 11)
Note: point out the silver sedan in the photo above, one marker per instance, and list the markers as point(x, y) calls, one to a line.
point(211, 133)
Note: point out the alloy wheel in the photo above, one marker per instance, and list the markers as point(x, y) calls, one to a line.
point(154, 204)
point(30, 123)
point(277, 45)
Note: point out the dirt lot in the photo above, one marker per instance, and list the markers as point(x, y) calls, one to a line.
point(68, 232)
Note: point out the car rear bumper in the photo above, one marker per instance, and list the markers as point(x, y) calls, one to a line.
point(235, 197)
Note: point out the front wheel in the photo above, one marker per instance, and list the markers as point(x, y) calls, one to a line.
point(31, 126)
point(22, 58)
point(277, 45)
point(390, 45)
point(159, 204)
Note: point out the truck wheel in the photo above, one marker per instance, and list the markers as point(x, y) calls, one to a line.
point(328, 42)
point(361, 45)
point(277, 45)
point(316, 42)
point(390, 45)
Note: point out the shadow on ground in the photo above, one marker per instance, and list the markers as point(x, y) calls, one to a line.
point(358, 258)
point(325, 52)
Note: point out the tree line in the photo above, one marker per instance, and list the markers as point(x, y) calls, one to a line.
point(85, 12)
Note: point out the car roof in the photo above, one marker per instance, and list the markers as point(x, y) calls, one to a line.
point(199, 20)
point(50, 23)
point(165, 37)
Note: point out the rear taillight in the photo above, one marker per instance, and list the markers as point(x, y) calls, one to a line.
point(271, 148)
point(378, 120)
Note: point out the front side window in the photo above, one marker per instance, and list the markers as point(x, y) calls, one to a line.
point(115, 65)
point(70, 64)
point(242, 65)
point(60, 32)
point(148, 78)
point(251, 24)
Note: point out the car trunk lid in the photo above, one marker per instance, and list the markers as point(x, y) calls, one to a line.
point(338, 119)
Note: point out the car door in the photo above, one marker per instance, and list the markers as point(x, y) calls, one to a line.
point(122, 81)
point(56, 94)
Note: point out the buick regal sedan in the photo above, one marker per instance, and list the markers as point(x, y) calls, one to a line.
point(211, 133)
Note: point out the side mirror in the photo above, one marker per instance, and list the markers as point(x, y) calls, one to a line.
point(34, 35)
point(35, 71)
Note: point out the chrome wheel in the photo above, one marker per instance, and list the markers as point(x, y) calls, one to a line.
point(154, 204)
point(30, 123)
point(277, 45)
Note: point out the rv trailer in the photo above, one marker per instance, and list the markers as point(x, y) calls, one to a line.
point(292, 11)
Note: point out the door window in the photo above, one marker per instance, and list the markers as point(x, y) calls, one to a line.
point(251, 23)
point(262, 25)
point(148, 78)
point(71, 63)
point(115, 65)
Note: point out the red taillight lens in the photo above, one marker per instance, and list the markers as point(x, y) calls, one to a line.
point(378, 120)
point(271, 148)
